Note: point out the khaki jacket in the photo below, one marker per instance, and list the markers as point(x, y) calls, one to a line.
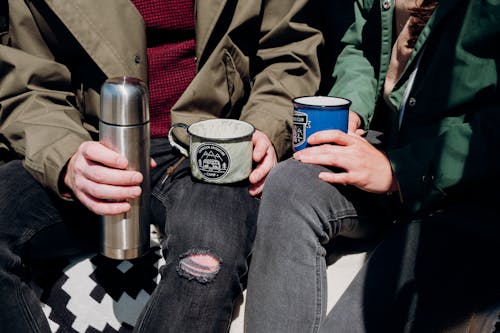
point(252, 58)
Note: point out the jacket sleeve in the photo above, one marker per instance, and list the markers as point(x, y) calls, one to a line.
point(287, 53)
point(38, 115)
point(355, 73)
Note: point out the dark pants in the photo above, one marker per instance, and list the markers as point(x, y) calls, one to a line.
point(209, 230)
point(438, 274)
point(426, 276)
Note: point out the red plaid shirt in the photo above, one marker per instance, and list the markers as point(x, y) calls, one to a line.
point(171, 55)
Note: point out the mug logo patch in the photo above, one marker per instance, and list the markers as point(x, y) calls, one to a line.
point(213, 160)
point(300, 124)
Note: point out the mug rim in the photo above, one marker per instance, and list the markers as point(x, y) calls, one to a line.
point(336, 102)
point(251, 130)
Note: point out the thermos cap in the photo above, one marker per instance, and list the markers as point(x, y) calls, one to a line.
point(124, 101)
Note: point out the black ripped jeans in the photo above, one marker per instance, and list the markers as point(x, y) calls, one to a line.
point(209, 230)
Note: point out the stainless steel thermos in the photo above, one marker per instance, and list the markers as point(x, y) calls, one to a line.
point(124, 127)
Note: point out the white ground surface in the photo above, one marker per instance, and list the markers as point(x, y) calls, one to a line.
point(339, 275)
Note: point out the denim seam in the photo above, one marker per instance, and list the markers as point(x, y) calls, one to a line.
point(172, 172)
point(147, 314)
point(342, 215)
point(159, 195)
point(25, 310)
point(333, 228)
point(30, 320)
point(318, 307)
point(26, 236)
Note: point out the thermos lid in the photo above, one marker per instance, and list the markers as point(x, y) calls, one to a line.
point(124, 101)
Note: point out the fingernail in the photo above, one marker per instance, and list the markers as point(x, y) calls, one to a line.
point(136, 193)
point(137, 178)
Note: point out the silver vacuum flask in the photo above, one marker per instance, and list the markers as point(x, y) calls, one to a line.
point(124, 127)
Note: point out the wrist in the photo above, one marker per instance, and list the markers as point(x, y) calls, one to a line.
point(395, 190)
point(64, 190)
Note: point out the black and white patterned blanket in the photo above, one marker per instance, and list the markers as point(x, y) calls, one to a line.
point(96, 294)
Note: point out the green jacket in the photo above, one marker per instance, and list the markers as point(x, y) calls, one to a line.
point(252, 58)
point(446, 151)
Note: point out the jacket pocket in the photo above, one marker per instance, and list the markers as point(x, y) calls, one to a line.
point(237, 79)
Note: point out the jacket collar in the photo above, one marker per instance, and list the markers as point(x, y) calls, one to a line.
point(127, 45)
point(442, 11)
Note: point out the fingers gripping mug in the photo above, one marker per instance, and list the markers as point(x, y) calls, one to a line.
point(220, 150)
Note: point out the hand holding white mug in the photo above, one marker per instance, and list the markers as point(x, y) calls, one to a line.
point(265, 157)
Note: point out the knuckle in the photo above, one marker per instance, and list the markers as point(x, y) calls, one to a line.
point(324, 148)
point(84, 148)
point(78, 167)
point(78, 184)
point(94, 173)
point(95, 191)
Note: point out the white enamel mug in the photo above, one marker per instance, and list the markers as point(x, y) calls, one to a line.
point(220, 150)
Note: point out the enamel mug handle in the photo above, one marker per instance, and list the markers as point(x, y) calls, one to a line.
point(172, 140)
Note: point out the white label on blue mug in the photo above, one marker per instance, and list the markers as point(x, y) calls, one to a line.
point(300, 124)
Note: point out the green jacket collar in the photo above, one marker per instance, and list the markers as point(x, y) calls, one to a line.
point(444, 9)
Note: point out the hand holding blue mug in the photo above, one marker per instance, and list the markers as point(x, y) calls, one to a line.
point(312, 114)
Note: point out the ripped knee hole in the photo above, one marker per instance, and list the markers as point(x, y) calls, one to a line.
point(199, 264)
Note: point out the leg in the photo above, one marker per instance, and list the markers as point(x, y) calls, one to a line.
point(209, 230)
point(426, 276)
point(299, 214)
point(28, 215)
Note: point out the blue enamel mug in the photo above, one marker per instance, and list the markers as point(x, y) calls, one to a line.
point(312, 114)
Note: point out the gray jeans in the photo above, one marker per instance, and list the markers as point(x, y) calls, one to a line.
point(299, 216)
point(430, 275)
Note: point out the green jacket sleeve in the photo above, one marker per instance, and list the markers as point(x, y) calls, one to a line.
point(355, 73)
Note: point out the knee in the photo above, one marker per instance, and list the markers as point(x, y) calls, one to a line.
point(200, 265)
point(290, 185)
point(281, 178)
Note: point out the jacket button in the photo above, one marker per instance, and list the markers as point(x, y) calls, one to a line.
point(137, 59)
point(386, 4)
point(428, 178)
point(412, 101)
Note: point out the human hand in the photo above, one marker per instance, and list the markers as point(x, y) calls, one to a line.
point(98, 178)
point(362, 164)
point(354, 123)
point(265, 157)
